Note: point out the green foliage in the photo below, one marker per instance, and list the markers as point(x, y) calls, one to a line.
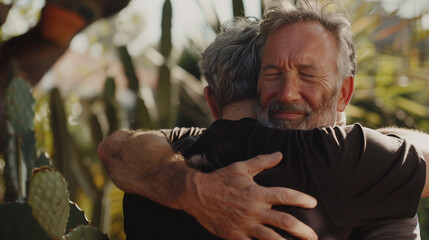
point(391, 89)
point(47, 210)
point(164, 96)
point(165, 85)
point(139, 116)
point(20, 106)
point(111, 108)
point(129, 69)
point(188, 59)
point(42, 160)
point(238, 8)
point(62, 155)
point(20, 121)
point(76, 217)
point(166, 44)
point(45, 214)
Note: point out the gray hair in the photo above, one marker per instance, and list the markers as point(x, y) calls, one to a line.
point(328, 13)
point(231, 64)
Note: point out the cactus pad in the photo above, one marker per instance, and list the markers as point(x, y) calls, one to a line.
point(77, 217)
point(48, 199)
point(86, 233)
point(20, 106)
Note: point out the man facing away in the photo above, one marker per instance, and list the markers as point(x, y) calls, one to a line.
point(295, 90)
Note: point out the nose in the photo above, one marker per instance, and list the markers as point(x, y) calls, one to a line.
point(289, 91)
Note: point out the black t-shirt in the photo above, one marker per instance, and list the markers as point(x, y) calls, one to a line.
point(146, 219)
point(357, 174)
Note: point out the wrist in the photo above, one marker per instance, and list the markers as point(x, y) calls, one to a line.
point(187, 194)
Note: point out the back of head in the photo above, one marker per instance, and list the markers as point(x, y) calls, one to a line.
point(230, 64)
point(326, 12)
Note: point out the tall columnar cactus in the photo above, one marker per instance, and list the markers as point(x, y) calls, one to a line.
point(166, 44)
point(67, 159)
point(166, 91)
point(139, 116)
point(238, 8)
point(111, 105)
point(130, 72)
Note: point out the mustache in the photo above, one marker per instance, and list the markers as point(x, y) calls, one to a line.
point(290, 107)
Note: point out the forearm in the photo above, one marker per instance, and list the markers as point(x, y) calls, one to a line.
point(227, 202)
point(144, 163)
point(420, 140)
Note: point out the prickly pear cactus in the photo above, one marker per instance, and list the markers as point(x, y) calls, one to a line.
point(77, 217)
point(20, 106)
point(85, 233)
point(48, 198)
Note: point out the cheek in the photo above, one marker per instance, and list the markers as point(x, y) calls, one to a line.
point(267, 92)
point(313, 96)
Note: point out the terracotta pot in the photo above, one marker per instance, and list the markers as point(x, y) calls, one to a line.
point(60, 25)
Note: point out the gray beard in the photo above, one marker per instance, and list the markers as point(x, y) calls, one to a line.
point(325, 116)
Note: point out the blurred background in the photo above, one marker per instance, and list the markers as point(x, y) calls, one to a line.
point(73, 71)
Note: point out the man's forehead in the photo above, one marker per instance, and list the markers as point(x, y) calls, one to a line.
point(304, 44)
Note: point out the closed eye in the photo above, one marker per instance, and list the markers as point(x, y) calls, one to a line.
point(306, 75)
point(271, 70)
point(272, 74)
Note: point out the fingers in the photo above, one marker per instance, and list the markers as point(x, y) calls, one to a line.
point(261, 162)
point(290, 224)
point(262, 232)
point(289, 197)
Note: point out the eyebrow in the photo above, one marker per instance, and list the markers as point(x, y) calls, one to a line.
point(270, 66)
point(307, 66)
point(300, 66)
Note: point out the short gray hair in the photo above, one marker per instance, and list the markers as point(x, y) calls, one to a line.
point(328, 13)
point(231, 64)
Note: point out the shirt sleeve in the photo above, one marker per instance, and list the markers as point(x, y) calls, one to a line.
point(176, 134)
point(358, 173)
point(385, 178)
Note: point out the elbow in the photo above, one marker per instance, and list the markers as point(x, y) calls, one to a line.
point(102, 150)
point(110, 148)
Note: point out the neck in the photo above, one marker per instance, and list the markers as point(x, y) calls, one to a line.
point(239, 109)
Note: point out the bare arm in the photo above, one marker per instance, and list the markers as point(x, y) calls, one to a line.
point(227, 202)
point(419, 140)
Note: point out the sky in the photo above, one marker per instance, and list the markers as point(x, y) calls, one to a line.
point(188, 19)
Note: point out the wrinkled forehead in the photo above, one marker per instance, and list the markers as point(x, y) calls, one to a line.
point(306, 43)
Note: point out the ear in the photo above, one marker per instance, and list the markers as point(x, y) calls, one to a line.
point(208, 94)
point(346, 93)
